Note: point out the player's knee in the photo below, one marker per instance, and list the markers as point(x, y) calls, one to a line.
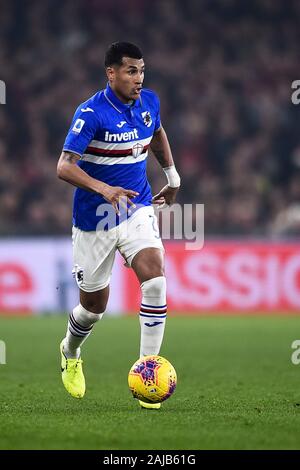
point(157, 271)
point(152, 272)
point(86, 315)
point(155, 288)
point(94, 306)
point(148, 264)
point(94, 302)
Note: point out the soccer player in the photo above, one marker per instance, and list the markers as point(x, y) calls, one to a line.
point(104, 156)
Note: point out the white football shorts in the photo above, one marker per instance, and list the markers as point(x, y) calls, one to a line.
point(94, 252)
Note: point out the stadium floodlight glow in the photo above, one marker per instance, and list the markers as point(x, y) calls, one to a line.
point(2, 352)
point(2, 92)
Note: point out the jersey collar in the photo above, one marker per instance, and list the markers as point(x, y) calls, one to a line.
point(118, 104)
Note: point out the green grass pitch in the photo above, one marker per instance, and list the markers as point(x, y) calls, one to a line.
point(237, 387)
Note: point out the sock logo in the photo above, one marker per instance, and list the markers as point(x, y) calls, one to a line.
point(154, 323)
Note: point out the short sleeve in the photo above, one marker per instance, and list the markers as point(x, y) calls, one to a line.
point(82, 131)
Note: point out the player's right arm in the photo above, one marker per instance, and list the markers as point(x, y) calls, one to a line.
point(81, 132)
point(68, 170)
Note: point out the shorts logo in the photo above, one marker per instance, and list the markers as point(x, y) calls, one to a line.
point(78, 126)
point(78, 274)
point(147, 118)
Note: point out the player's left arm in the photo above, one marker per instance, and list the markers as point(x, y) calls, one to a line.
point(161, 149)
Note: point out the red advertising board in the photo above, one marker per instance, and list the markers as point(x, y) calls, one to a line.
point(229, 277)
point(15, 282)
point(36, 278)
point(223, 277)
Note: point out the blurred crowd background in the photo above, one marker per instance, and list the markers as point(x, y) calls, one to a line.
point(223, 70)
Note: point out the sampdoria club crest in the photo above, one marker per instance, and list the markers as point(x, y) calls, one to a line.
point(147, 118)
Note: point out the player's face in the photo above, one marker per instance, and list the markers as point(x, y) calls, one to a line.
point(127, 79)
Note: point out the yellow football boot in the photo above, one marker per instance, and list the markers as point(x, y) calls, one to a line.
point(72, 375)
point(150, 406)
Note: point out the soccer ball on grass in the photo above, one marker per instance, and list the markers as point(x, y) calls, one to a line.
point(152, 379)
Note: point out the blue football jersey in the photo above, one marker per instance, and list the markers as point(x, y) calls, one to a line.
point(112, 139)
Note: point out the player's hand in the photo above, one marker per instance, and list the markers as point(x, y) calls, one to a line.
point(166, 196)
point(119, 197)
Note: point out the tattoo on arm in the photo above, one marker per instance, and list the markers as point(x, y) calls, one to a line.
point(70, 157)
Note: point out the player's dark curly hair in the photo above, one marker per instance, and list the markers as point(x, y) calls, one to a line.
point(118, 50)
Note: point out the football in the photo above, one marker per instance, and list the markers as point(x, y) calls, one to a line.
point(152, 379)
